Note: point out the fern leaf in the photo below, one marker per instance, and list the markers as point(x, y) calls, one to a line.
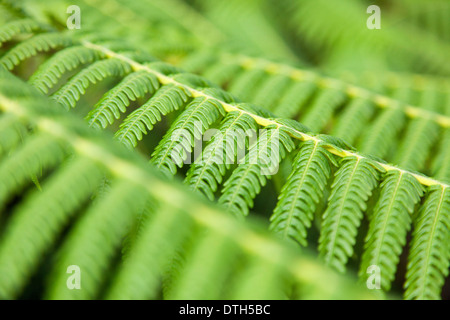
point(201, 265)
point(322, 109)
point(71, 92)
point(258, 281)
point(167, 99)
point(429, 255)
point(389, 225)
point(270, 91)
point(179, 140)
point(303, 190)
point(206, 173)
point(139, 277)
point(351, 188)
point(16, 27)
point(51, 71)
point(379, 138)
point(245, 85)
point(354, 119)
point(135, 85)
point(36, 225)
point(94, 240)
point(294, 99)
point(11, 133)
point(25, 162)
point(31, 47)
point(419, 138)
point(262, 159)
point(441, 165)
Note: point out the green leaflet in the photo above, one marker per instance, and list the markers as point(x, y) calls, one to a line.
point(38, 222)
point(352, 186)
point(294, 99)
point(37, 153)
point(353, 120)
point(302, 191)
point(245, 85)
point(52, 70)
point(429, 254)
point(380, 136)
point(17, 27)
point(98, 234)
point(71, 92)
point(441, 165)
point(135, 85)
point(255, 168)
point(389, 225)
point(167, 99)
point(205, 263)
point(270, 91)
point(12, 130)
point(190, 125)
point(322, 108)
point(207, 172)
point(416, 145)
point(31, 47)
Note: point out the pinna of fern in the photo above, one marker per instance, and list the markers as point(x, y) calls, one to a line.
point(356, 177)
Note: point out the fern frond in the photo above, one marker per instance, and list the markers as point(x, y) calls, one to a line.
point(70, 93)
point(207, 172)
point(441, 165)
point(294, 99)
point(12, 132)
point(418, 140)
point(87, 156)
point(190, 125)
point(302, 192)
point(203, 265)
point(390, 223)
point(429, 255)
point(33, 46)
point(322, 109)
point(17, 27)
point(37, 224)
point(94, 240)
point(52, 70)
point(134, 86)
point(324, 103)
point(257, 166)
point(380, 137)
point(237, 65)
point(351, 189)
point(167, 99)
point(354, 119)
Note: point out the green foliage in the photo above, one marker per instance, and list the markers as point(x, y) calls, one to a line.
point(71, 191)
point(76, 160)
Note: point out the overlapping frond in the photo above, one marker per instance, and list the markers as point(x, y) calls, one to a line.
point(75, 163)
point(374, 122)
